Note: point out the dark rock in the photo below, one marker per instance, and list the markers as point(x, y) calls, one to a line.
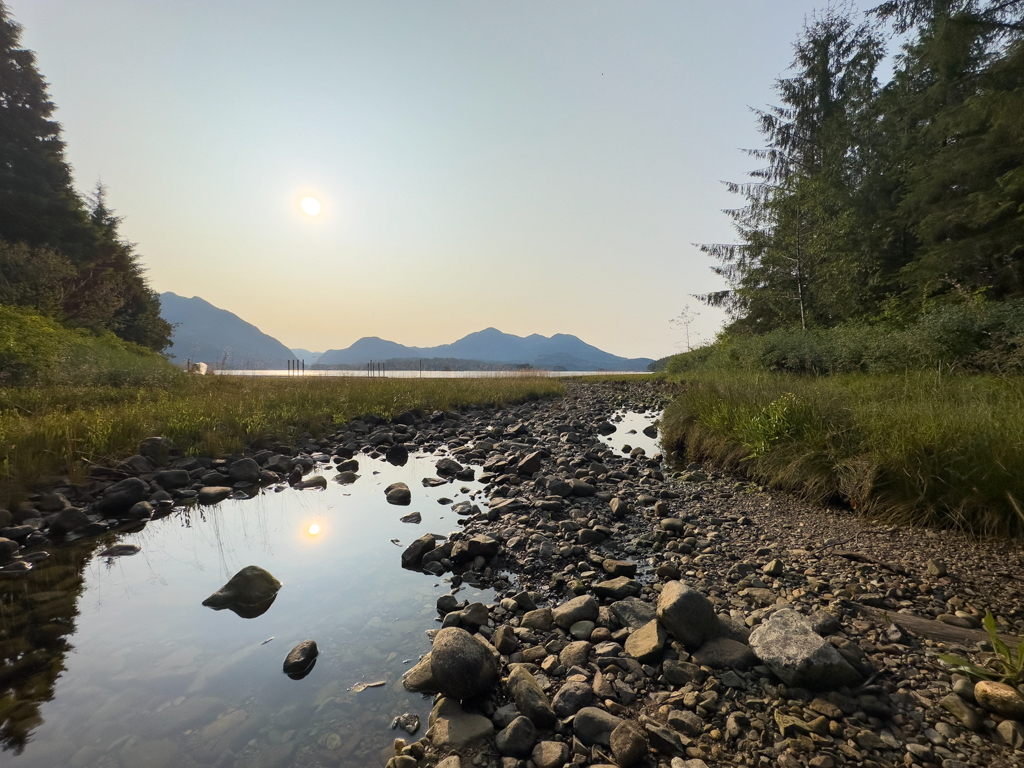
point(66, 521)
point(244, 471)
point(518, 738)
point(723, 653)
point(628, 744)
point(300, 659)
point(571, 698)
point(530, 464)
point(632, 612)
point(213, 494)
point(399, 494)
point(122, 496)
point(463, 666)
point(504, 640)
point(687, 615)
point(120, 550)
point(594, 726)
point(249, 593)
point(397, 455)
point(529, 698)
point(169, 479)
point(583, 608)
point(617, 589)
point(412, 557)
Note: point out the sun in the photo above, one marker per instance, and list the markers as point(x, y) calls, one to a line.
point(314, 529)
point(310, 206)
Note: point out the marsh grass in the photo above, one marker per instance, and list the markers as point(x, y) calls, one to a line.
point(62, 429)
point(919, 448)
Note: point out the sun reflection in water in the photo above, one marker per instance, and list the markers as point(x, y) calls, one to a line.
point(314, 529)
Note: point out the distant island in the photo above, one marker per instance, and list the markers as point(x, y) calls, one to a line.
point(224, 341)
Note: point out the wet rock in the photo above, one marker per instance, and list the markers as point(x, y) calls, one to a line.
point(483, 546)
point(571, 698)
point(788, 646)
point(120, 550)
point(594, 726)
point(453, 728)
point(550, 754)
point(529, 698)
point(249, 593)
point(463, 666)
point(316, 481)
point(448, 467)
point(398, 494)
point(412, 517)
point(420, 679)
point(687, 615)
point(628, 744)
point(412, 557)
point(999, 698)
point(398, 455)
point(300, 659)
point(122, 496)
point(646, 644)
point(583, 608)
point(66, 521)
point(345, 478)
point(518, 738)
point(244, 471)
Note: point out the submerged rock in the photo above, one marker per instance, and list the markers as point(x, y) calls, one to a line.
point(300, 660)
point(120, 550)
point(398, 493)
point(249, 593)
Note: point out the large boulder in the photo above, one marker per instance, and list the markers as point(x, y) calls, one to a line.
point(249, 593)
point(798, 656)
point(122, 496)
point(529, 698)
point(687, 615)
point(462, 666)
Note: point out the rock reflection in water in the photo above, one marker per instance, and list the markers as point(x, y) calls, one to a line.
point(156, 679)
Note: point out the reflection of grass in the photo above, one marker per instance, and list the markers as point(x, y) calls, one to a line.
point(923, 448)
point(55, 430)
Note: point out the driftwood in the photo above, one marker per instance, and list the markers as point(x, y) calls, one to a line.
point(932, 629)
point(860, 557)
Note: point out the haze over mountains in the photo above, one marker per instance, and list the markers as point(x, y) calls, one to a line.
point(206, 333)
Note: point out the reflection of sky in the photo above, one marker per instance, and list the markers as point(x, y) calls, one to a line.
point(635, 421)
point(143, 638)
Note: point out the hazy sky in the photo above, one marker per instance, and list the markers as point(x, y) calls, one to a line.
point(539, 167)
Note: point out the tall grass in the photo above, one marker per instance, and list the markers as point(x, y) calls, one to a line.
point(58, 430)
point(921, 448)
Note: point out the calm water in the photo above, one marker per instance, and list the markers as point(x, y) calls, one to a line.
point(120, 665)
point(432, 374)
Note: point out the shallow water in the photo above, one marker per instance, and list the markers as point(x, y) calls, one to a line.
point(629, 431)
point(120, 665)
point(397, 374)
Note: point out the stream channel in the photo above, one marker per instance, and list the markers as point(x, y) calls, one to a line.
point(122, 667)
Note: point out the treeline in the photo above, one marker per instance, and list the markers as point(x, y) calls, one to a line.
point(879, 204)
point(60, 253)
point(427, 364)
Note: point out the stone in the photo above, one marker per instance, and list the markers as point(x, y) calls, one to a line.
point(687, 615)
point(582, 488)
point(8, 549)
point(504, 640)
point(250, 590)
point(447, 467)
point(300, 659)
point(529, 698)
point(244, 471)
point(575, 654)
point(594, 726)
point(462, 665)
point(420, 679)
point(450, 762)
point(169, 479)
point(680, 673)
point(397, 455)
point(316, 481)
point(937, 569)
point(787, 645)
point(617, 589)
point(583, 608)
point(539, 618)
point(628, 744)
point(122, 496)
point(664, 740)
point(550, 754)
point(118, 550)
point(66, 521)
point(412, 557)
point(647, 643)
point(213, 494)
point(517, 739)
point(398, 494)
point(582, 630)
point(571, 698)
point(619, 568)
point(775, 568)
point(686, 722)
point(962, 711)
point(1012, 732)
point(999, 698)
point(633, 612)
point(824, 623)
point(530, 464)
point(452, 728)
point(723, 653)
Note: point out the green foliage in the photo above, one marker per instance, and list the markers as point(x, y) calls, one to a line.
point(1005, 665)
point(918, 448)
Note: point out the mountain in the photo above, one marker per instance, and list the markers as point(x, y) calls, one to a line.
point(304, 354)
point(205, 333)
point(560, 351)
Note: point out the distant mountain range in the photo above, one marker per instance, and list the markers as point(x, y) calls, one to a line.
point(215, 336)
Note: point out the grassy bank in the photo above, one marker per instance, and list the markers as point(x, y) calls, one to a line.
point(60, 429)
point(921, 448)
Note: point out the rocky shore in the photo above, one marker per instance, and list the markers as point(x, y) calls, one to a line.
point(645, 613)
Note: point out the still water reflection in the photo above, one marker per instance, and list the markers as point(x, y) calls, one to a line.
point(115, 662)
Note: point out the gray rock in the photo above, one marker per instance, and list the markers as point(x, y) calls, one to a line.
point(540, 618)
point(628, 744)
point(453, 728)
point(582, 630)
point(122, 496)
point(723, 653)
point(518, 738)
point(575, 654)
point(1012, 732)
point(617, 589)
point(594, 726)
point(529, 698)
point(824, 623)
point(412, 557)
point(213, 494)
point(679, 673)
point(687, 615)
point(550, 754)
point(686, 722)
point(646, 644)
point(633, 612)
point(962, 711)
point(399, 494)
point(244, 471)
point(504, 640)
point(420, 679)
point(787, 645)
point(462, 665)
point(583, 608)
point(571, 698)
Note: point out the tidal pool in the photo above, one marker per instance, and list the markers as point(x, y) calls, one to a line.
point(115, 663)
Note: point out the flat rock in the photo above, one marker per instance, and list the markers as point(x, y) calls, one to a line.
point(452, 728)
point(646, 644)
point(787, 645)
point(594, 726)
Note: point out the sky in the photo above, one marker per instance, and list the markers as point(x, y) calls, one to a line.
point(537, 167)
